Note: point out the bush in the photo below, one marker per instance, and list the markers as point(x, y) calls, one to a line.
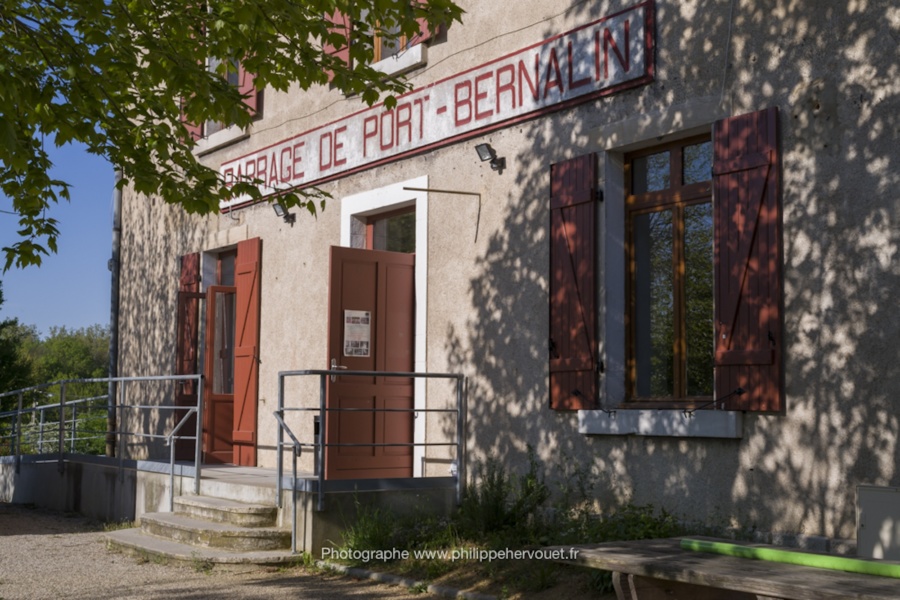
point(500, 504)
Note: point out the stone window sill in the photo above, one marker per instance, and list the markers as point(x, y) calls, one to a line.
point(662, 423)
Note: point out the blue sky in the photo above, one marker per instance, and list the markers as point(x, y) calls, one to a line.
point(72, 287)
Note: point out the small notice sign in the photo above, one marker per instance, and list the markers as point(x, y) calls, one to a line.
point(357, 332)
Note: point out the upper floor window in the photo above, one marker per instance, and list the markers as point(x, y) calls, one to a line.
point(393, 53)
point(211, 134)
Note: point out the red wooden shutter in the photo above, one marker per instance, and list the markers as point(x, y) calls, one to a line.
point(340, 24)
point(425, 34)
point(748, 259)
point(573, 307)
point(246, 353)
point(248, 89)
point(195, 132)
point(186, 347)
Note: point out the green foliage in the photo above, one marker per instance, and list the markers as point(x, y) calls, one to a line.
point(372, 529)
point(26, 360)
point(73, 354)
point(511, 509)
point(375, 528)
point(118, 77)
point(16, 367)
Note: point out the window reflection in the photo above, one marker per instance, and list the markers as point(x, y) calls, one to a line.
point(698, 293)
point(396, 233)
point(697, 163)
point(654, 300)
point(650, 173)
point(223, 343)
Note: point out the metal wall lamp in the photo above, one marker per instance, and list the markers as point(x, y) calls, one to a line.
point(485, 153)
point(282, 212)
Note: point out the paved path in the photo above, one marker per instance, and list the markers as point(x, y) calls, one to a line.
point(45, 554)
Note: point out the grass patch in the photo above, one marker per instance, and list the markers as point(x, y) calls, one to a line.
point(111, 526)
point(502, 512)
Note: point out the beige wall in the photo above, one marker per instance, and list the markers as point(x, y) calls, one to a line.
point(831, 68)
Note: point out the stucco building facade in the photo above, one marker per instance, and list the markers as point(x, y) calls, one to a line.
point(662, 168)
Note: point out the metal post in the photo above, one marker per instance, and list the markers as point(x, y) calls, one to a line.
point(199, 440)
point(460, 439)
point(18, 438)
point(62, 427)
point(120, 436)
point(294, 504)
point(41, 432)
point(279, 451)
point(114, 268)
point(323, 419)
point(74, 428)
point(459, 422)
point(172, 444)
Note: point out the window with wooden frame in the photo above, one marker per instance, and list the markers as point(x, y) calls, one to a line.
point(394, 231)
point(232, 70)
point(386, 44)
point(670, 283)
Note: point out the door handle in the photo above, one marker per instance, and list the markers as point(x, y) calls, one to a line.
point(336, 367)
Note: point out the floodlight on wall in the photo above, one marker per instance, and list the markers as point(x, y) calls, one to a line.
point(282, 212)
point(485, 153)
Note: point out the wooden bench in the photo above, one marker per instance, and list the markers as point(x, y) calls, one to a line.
point(661, 569)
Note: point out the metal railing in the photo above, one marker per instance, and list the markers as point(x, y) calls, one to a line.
point(320, 445)
point(36, 432)
point(19, 441)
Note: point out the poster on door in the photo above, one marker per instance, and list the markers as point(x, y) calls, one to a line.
point(357, 332)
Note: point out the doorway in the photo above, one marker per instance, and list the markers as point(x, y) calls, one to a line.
point(218, 409)
point(217, 319)
point(371, 328)
point(231, 354)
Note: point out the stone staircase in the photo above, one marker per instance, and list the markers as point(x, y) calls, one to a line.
point(208, 531)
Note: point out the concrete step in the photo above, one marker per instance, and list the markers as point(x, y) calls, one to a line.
point(222, 510)
point(138, 543)
point(208, 534)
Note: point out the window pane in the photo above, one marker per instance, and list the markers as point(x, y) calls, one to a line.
point(226, 268)
point(654, 304)
point(650, 173)
point(390, 42)
point(396, 234)
point(697, 163)
point(223, 344)
point(698, 293)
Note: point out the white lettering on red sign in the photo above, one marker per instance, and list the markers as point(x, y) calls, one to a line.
point(602, 57)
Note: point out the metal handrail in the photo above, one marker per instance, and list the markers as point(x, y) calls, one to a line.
point(460, 410)
point(171, 445)
point(279, 417)
point(63, 403)
point(43, 409)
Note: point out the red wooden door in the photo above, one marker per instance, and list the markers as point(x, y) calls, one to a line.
point(218, 408)
point(371, 328)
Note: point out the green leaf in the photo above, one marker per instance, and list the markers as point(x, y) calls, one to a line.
point(111, 76)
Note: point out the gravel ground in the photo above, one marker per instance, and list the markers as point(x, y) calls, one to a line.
point(45, 554)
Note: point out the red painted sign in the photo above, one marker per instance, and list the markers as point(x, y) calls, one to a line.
point(597, 59)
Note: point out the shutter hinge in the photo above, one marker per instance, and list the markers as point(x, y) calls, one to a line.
point(554, 353)
point(599, 195)
point(601, 367)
